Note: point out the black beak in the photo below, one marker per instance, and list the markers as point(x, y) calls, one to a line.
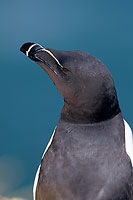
point(30, 49)
point(43, 56)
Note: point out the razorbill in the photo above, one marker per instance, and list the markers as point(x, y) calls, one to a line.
point(88, 157)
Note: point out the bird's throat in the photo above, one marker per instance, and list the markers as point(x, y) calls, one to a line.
point(93, 114)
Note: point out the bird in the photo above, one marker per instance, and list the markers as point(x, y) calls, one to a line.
point(90, 153)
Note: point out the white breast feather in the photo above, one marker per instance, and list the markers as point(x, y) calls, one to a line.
point(38, 171)
point(129, 141)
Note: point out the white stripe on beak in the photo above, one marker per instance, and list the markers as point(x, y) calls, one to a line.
point(27, 52)
point(44, 49)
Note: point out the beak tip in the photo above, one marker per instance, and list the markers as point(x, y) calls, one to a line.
point(24, 48)
point(30, 49)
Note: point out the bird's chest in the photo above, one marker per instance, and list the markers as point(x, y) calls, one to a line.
point(79, 167)
point(71, 169)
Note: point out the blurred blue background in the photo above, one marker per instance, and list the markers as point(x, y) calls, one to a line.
point(30, 104)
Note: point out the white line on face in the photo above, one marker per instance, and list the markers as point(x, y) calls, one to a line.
point(46, 50)
point(50, 53)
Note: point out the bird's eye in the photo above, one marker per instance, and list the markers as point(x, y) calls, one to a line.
point(65, 69)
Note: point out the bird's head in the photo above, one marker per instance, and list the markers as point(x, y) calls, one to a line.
point(83, 81)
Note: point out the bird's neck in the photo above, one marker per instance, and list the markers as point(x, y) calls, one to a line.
point(102, 110)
